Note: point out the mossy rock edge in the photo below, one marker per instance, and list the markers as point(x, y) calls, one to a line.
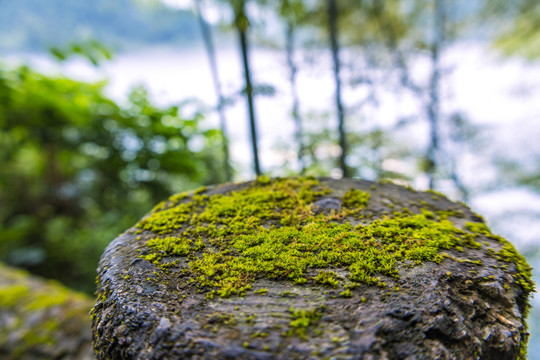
point(306, 268)
point(42, 319)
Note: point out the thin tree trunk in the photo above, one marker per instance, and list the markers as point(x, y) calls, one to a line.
point(332, 22)
point(295, 105)
point(209, 44)
point(241, 26)
point(434, 93)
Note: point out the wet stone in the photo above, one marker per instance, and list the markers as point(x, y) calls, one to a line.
point(306, 268)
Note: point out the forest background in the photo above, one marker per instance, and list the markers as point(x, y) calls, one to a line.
point(108, 107)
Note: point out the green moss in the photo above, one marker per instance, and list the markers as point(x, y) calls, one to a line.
point(172, 245)
point(445, 214)
point(200, 190)
point(355, 199)
point(27, 299)
point(301, 320)
point(259, 334)
point(221, 319)
point(267, 229)
point(522, 276)
point(264, 180)
point(40, 311)
point(507, 253)
point(436, 194)
point(12, 295)
point(428, 214)
point(477, 228)
point(327, 278)
point(55, 297)
point(36, 337)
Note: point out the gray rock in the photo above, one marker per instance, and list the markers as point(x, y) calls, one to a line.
point(228, 272)
point(42, 319)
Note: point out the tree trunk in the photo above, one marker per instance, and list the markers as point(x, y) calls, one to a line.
point(241, 24)
point(434, 92)
point(295, 105)
point(209, 45)
point(334, 43)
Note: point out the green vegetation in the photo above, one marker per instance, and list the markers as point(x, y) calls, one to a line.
point(523, 275)
point(28, 299)
point(302, 320)
point(78, 169)
point(327, 278)
point(267, 229)
point(508, 254)
point(12, 295)
point(355, 199)
point(40, 311)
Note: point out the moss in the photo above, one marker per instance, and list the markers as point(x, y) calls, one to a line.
point(267, 229)
point(301, 320)
point(477, 228)
point(40, 312)
point(508, 254)
point(327, 278)
point(436, 194)
point(445, 214)
point(355, 199)
point(264, 180)
point(428, 214)
point(259, 334)
point(200, 190)
point(522, 276)
point(221, 319)
point(250, 319)
point(11, 295)
point(28, 300)
point(43, 300)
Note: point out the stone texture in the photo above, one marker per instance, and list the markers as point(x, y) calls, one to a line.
point(471, 305)
point(41, 319)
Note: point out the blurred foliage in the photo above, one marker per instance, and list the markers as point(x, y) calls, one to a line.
point(77, 169)
point(517, 23)
point(92, 50)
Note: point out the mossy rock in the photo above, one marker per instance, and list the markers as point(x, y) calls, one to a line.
point(306, 268)
point(41, 319)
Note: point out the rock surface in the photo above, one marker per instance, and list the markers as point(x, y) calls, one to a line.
point(41, 319)
point(311, 269)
